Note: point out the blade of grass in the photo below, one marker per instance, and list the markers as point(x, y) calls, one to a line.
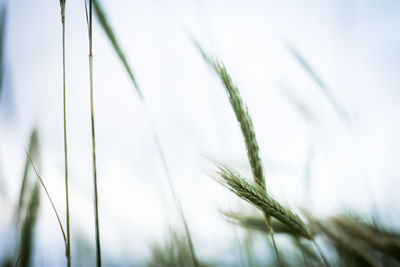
point(101, 16)
point(68, 242)
point(33, 150)
point(297, 103)
point(316, 78)
point(113, 39)
point(96, 208)
point(48, 196)
point(28, 228)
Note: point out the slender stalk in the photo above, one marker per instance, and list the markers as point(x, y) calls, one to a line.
point(96, 209)
point(320, 253)
point(68, 242)
point(271, 232)
point(114, 41)
point(48, 195)
point(175, 196)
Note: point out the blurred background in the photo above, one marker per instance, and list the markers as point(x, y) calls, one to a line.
point(329, 141)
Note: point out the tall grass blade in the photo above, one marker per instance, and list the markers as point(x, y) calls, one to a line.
point(33, 150)
point(48, 196)
point(297, 103)
point(111, 36)
point(113, 39)
point(28, 228)
point(316, 78)
point(68, 241)
point(96, 208)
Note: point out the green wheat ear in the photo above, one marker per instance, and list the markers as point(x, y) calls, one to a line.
point(256, 195)
point(246, 125)
point(242, 115)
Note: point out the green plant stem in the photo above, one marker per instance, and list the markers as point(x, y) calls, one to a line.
point(96, 209)
point(48, 195)
point(175, 197)
point(68, 248)
point(271, 231)
point(320, 253)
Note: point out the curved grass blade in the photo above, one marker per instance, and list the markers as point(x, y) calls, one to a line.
point(112, 37)
point(316, 78)
point(48, 196)
point(101, 16)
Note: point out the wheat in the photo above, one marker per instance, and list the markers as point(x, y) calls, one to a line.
point(256, 195)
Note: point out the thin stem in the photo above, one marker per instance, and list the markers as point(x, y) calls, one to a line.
point(96, 209)
point(271, 231)
point(178, 204)
point(320, 253)
point(48, 196)
point(68, 248)
point(303, 255)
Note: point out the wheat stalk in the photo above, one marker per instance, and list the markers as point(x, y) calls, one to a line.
point(256, 195)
